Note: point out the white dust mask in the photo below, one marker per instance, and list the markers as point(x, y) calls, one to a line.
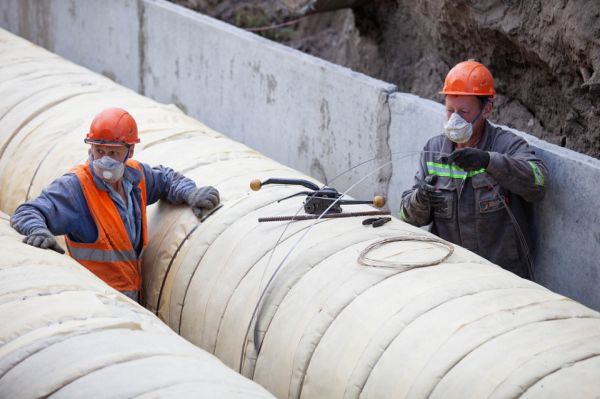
point(457, 129)
point(108, 169)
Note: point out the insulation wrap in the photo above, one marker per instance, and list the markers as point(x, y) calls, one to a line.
point(287, 304)
point(66, 334)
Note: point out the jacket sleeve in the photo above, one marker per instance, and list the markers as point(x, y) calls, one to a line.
point(517, 168)
point(411, 210)
point(165, 183)
point(60, 208)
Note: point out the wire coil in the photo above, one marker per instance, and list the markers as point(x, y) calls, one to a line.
point(402, 267)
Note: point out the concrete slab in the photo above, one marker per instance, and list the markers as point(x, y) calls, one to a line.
point(566, 224)
point(310, 114)
point(414, 120)
point(102, 36)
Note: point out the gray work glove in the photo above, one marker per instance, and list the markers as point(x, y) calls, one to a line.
point(203, 199)
point(426, 193)
point(470, 159)
point(42, 238)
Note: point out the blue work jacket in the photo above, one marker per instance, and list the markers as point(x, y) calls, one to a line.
point(62, 208)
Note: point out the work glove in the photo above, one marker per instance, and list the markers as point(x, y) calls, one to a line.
point(42, 238)
point(470, 158)
point(203, 199)
point(427, 195)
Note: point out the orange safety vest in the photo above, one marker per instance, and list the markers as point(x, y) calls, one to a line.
point(112, 257)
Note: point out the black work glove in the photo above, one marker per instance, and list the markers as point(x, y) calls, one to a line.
point(427, 195)
point(470, 158)
point(42, 238)
point(203, 199)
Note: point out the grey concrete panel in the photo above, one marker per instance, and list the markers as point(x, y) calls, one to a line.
point(9, 11)
point(414, 120)
point(566, 224)
point(29, 19)
point(102, 36)
point(312, 115)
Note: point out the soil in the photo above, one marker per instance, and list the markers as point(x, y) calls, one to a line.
point(544, 55)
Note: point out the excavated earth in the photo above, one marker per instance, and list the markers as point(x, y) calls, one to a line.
point(545, 55)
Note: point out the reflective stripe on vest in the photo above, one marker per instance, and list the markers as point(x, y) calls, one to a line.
point(100, 255)
point(111, 257)
point(452, 171)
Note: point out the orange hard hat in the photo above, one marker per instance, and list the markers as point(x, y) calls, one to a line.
point(113, 126)
point(469, 78)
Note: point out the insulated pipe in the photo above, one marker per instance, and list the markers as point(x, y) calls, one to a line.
point(66, 334)
point(289, 304)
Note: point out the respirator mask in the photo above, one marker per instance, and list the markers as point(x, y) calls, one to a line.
point(108, 169)
point(459, 130)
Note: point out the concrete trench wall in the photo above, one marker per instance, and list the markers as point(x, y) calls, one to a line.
point(319, 118)
point(326, 326)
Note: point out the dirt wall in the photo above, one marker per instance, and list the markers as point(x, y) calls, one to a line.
point(545, 55)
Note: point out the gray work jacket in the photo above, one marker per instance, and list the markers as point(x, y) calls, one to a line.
point(475, 216)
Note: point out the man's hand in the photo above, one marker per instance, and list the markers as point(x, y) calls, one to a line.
point(203, 198)
point(43, 239)
point(470, 159)
point(427, 195)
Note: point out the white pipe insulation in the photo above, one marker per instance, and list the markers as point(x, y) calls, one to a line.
point(288, 304)
point(66, 334)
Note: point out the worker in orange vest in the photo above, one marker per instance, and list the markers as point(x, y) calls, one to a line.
point(100, 205)
point(475, 182)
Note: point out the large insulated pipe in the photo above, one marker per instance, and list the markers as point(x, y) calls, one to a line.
point(289, 304)
point(66, 334)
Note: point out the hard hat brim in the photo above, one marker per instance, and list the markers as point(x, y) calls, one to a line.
point(464, 93)
point(109, 143)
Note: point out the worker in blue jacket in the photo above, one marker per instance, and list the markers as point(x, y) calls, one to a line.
point(100, 205)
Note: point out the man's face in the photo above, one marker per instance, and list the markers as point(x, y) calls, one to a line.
point(468, 107)
point(117, 153)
